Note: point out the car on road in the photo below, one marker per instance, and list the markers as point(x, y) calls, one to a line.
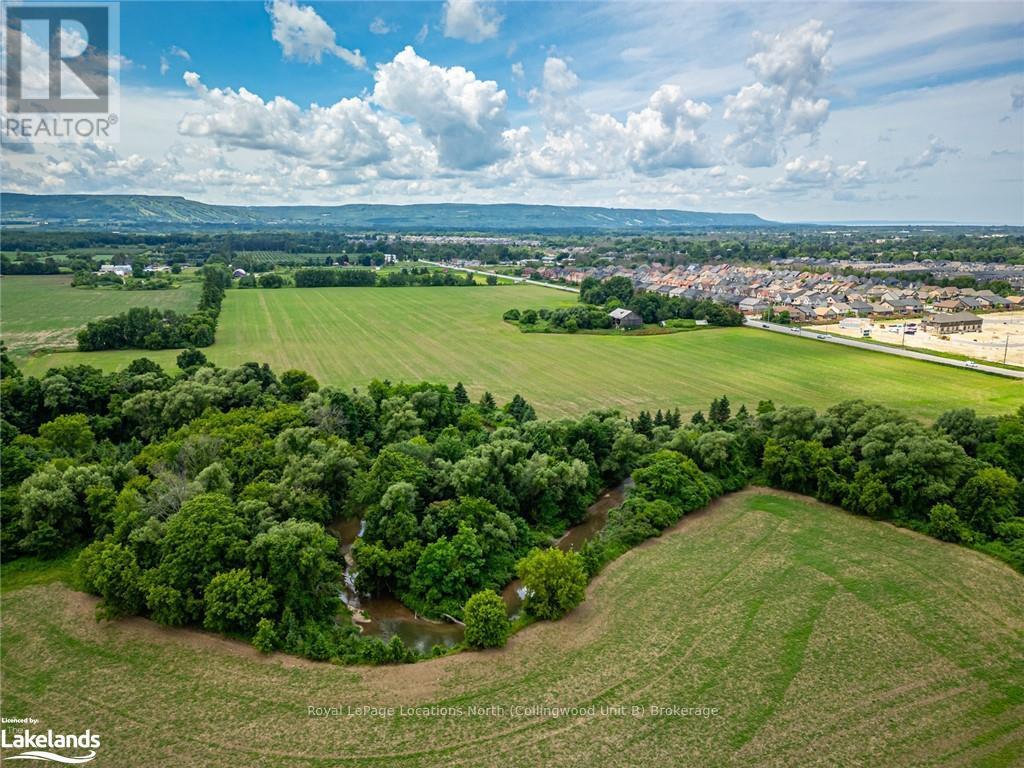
point(970, 364)
point(821, 336)
point(764, 325)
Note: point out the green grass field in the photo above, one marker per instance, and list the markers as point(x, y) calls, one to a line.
point(820, 638)
point(348, 336)
point(45, 311)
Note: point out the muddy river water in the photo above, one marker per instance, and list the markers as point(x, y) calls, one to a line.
point(385, 617)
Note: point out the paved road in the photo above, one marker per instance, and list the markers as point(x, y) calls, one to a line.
point(813, 334)
point(513, 278)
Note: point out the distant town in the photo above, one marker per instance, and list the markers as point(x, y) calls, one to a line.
point(799, 288)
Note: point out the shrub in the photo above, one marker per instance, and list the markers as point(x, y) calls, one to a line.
point(236, 602)
point(265, 639)
point(190, 358)
point(296, 385)
point(638, 520)
point(944, 523)
point(271, 280)
point(110, 570)
point(555, 582)
point(674, 478)
point(487, 623)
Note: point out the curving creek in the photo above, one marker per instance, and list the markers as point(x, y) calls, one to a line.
point(385, 617)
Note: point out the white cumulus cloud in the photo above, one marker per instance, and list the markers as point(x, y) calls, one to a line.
point(303, 35)
point(471, 20)
point(464, 117)
point(662, 136)
point(784, 101)
point(805, 171)
point(348, 134)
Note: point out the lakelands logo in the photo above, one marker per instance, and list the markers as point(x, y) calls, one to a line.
point(60, 72)
point(41, 746)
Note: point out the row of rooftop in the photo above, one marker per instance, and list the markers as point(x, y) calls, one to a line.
point(807, 295)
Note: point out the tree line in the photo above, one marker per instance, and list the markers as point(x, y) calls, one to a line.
point(28, 266)
point(365, 278)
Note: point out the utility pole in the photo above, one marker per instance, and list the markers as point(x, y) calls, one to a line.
point(1006, 349)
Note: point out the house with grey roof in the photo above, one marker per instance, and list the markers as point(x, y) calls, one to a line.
point(625, 318)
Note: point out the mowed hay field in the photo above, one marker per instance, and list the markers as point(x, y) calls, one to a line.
point(819, 639)
point(348, 336)
point(45, 311)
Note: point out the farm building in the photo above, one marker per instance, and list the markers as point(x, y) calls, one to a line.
point(121, 270)
point(953, 322)
point(625, 318)
point(239, 273)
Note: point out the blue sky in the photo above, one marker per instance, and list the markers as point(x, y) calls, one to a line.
point(838, 111)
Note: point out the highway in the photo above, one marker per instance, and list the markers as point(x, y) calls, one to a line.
point(813, 335)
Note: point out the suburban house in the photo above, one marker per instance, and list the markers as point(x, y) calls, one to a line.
point(900, 306)
point(952, 322)
point(796, 314)
point(752, 306)
point(830, 312)
point(861, 308)
point(625, 318)
point(948, 305)
point(994, 300)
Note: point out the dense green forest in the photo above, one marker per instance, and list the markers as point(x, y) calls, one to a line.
point(202, 496)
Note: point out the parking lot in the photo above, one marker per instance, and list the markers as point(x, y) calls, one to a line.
point(1000, 340)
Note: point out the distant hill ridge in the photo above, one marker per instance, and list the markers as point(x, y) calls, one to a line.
point(163, 212)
